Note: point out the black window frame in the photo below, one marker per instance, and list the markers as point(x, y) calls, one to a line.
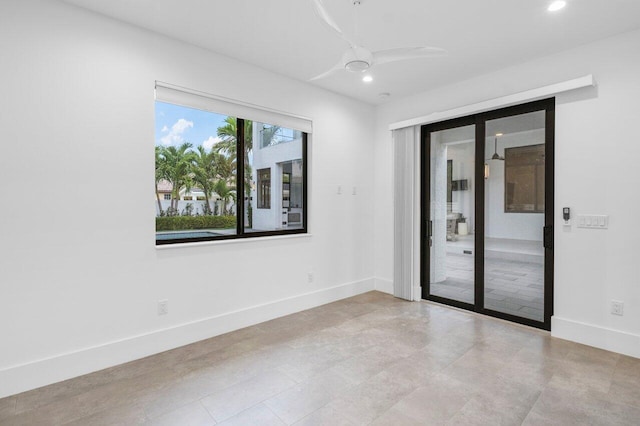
point(263, 193)
point(240, 189)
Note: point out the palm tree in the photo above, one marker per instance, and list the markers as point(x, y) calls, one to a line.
point(225, 192)
point(228, 144)
point(228, 136)
point(204, 172)
point(176, 167)
point(226, 167)
point(159, 176)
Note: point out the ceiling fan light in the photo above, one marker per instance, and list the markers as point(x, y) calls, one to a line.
point(357, 66)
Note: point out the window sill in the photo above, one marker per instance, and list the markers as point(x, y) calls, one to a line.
point(230, 241)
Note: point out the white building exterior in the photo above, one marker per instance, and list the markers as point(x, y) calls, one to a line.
point(276, 204)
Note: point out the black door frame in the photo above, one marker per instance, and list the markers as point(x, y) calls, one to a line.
point(479, 120)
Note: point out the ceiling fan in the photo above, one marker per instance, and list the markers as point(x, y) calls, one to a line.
point(358, 58)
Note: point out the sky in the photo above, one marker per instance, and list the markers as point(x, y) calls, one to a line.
point(177, 124)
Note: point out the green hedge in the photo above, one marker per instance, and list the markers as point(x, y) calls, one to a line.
point(181, 223)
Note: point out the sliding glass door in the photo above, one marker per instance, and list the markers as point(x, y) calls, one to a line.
point(487, 213)
point(450, 207)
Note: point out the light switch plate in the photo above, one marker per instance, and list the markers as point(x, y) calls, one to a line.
point(593, 221)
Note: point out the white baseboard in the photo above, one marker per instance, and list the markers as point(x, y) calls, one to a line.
point(31, 375)
point(599, 337)
point(417, 293)
point(385, 286)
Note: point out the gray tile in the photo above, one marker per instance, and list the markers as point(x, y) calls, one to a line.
point(367, 359)
point(124, 415)
point(301, 400)
point(7, 407)
point(325, 416)
point(257, 415)
point(371, 398)
point(193, 414)
point(237, 398)
point(559, 406)
point(436, 402)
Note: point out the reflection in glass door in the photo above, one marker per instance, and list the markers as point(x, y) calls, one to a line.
point(451, 209)
point(515, 215)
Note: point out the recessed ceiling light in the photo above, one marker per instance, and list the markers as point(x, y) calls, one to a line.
point(367, 79)
point(498, 134)
point(557, 5)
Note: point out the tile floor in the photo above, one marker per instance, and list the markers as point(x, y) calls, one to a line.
point(514, 275)
point(511, 286)
point(369, 359)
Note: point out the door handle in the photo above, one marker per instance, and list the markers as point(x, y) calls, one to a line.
point(547, 240)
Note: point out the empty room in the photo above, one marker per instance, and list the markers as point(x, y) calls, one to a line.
point(319, 212)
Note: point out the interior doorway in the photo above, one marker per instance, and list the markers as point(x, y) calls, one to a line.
point(487, 212)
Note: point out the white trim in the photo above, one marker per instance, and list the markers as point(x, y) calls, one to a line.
point(171, 93)
point(31, 375)
point(417, 292)
point(599, 337)
point(385, 286)
point(232, 241)
point(504, 101)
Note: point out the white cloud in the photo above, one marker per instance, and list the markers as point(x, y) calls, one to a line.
point(209, 143)
point(174, 137)
point(165, 129)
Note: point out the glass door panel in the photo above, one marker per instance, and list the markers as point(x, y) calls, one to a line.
point(514, 215)
point(451, 212)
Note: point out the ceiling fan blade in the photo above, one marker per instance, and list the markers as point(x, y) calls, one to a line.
point(322, 13)
point(405, 53)
point(336, 67)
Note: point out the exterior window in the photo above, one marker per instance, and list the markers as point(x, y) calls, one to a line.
point(204, 193)
point(264, 188)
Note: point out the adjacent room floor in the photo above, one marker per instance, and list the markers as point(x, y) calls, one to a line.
point(514, 276)
point(369, 359)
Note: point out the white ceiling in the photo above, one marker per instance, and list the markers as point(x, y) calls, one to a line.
point(286, 36)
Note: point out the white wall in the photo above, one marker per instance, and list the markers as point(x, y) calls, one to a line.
point(596, 150)
point(81, 276)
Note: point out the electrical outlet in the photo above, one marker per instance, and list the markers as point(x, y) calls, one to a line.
point(617, 307)
point(310, 277)
point(163, 307)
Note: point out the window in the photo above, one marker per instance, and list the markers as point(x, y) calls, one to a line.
point(207, 194)
point(524, 179)
point(279, 177)
point(264, 188)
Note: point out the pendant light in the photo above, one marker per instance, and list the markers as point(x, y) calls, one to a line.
point(495, 156)
point(495, 149)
